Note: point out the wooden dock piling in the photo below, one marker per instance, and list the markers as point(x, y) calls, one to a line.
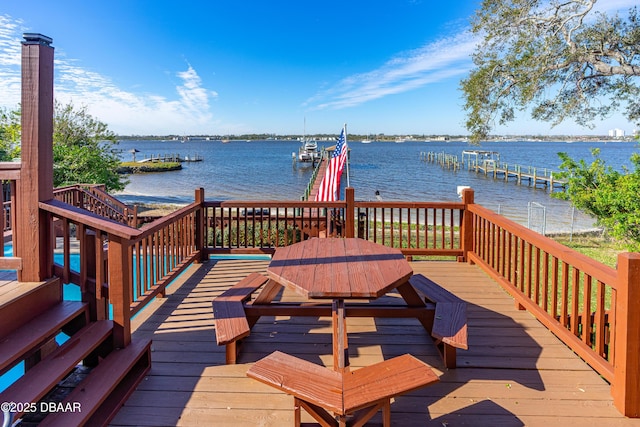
point(488, 164)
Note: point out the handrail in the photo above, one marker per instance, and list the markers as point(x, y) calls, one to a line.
point(92, 197)
point(586, 304)
point(571, 294)
point(139, 263)
point(584, 263)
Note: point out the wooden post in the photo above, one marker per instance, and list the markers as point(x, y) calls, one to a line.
point(349, 212)
point(201, 229)
point(466, 232)
point(33, 231)
point(120, 286)
point(625, 388)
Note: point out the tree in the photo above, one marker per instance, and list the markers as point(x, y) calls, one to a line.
point(9, 134)
point(611, 196)
point(550, 56)
point(83, 150)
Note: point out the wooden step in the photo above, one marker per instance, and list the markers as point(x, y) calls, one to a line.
point(15, 346)
point(39, 380)
point(20, 302)
point(106, 388)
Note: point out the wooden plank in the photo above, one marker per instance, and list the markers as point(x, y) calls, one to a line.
point(231, 321)
point(242, 290)
point(31, 335)
point(190, 383)
point(104, 378)
point(385, 379)
point(305, 380)
point(43, 376)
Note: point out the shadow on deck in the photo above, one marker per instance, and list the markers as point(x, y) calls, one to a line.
point(515, 372)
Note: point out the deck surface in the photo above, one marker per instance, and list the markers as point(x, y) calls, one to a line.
point(515, 372)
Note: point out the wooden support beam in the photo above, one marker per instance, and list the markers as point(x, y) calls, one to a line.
point(625, 388)
point(33, 232)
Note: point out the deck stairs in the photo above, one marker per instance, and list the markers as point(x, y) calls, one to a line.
point(83, 381)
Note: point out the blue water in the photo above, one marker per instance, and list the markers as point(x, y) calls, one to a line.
point(264, 170)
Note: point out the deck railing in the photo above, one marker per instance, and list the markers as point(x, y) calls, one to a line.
point(95, 199)
point(588, 305)
point(121, 266)
point(416, 228)
point(9, 175)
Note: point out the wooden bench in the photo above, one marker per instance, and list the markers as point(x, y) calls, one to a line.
point(322, 391)
point(449, 328)
point(229, 315)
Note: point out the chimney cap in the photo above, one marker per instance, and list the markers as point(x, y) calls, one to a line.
point(36, 38)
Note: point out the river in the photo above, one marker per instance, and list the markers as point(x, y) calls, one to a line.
point(261, 170)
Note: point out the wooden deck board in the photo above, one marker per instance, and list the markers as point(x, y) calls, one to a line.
point(515, 372)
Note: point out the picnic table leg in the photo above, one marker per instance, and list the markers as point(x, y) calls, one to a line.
point(340, 344)
point(269, 291)
point(413, 299)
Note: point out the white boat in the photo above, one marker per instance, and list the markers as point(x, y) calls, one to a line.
point(309, 152)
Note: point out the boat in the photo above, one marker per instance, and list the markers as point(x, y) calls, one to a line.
point(308, 152)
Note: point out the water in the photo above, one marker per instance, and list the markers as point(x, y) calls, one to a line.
point(263, 170)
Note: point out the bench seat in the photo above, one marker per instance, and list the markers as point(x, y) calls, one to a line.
point(230, 318)
point(450, 319)
point(321, 391)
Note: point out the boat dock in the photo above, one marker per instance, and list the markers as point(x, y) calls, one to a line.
point(172, 157)
point(314, 182)
point(489, 164)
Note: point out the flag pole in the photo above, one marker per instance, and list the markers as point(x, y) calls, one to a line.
point(347, 148)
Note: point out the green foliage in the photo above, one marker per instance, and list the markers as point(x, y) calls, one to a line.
point(611, 196)
point(9, 134)
point(547, 56)
point(135, 167)
point(84, 150)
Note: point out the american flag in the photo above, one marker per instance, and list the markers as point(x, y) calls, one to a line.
point(330, 184)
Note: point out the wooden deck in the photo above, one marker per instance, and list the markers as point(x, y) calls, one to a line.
point(515, 372)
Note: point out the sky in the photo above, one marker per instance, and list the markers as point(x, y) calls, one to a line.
point(281, 67)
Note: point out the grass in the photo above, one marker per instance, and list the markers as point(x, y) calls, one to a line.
point(594, 245)
point(136, 167)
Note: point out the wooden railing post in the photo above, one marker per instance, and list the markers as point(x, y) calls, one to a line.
point(201, 229)
point(33, 233)
point(466, 234)
point(349, 212)
point(625, 388)
point(120, 287)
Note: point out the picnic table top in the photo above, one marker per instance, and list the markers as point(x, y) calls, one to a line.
point(334, 268)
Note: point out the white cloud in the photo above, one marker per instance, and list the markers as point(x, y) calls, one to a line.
point(125, 112)
point(410, 70)
point(10, 49)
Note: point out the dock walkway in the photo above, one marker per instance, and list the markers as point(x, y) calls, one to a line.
point(515, 372)
point(496, 169)
point(172, 157)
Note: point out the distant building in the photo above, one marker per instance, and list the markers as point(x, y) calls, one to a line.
point(616, 133)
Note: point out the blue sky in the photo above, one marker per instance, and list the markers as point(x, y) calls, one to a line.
point(233, 67)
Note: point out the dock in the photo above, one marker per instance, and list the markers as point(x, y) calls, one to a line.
point(316, 178)
point(489, 164)
point(172, 157)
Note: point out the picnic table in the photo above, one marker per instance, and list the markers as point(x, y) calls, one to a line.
point(340, 278)
point(326, 273)
point(339, 270)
